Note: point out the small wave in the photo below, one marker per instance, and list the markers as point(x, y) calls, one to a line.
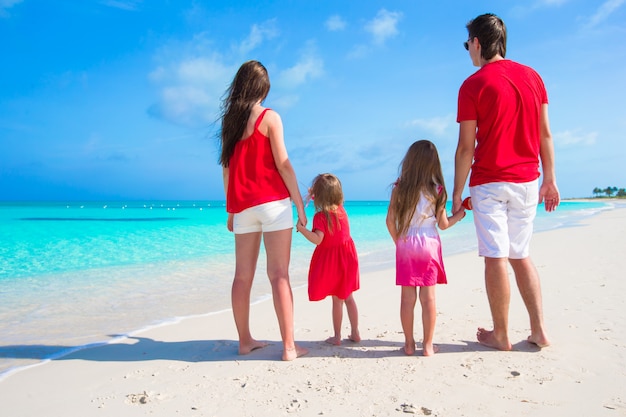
point(100, 219)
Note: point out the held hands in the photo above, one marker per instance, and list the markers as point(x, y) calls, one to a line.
point(302, 220)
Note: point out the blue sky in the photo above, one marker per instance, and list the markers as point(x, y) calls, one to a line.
point(119, 99)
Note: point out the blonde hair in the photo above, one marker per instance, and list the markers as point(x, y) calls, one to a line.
point(420, 174)
point(327, 195)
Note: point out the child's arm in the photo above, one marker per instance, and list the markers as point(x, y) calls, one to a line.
point(314, 236)
point(443, 221)
point(391, 220)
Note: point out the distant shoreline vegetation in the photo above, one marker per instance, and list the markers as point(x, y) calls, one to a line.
point(609, 191)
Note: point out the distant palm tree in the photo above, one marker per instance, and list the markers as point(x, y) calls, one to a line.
point(621, 192)
point(610, 190)
point(597, 191)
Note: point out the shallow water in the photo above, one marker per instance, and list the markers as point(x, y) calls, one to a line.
point(81, 273)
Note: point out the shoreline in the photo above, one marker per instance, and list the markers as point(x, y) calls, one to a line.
point(192, 366)
point(261, 294)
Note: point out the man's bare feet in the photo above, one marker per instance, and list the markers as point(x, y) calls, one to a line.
point(488, 338)
point(429, 349)
point(541, 341)
point(294, 352)
point(244, 349)
point(335, 341)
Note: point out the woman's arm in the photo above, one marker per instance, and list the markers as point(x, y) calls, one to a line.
point(225, 173)
point(285, 169)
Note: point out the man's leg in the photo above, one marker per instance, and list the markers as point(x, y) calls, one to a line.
point(499, 295)
point(530, 289)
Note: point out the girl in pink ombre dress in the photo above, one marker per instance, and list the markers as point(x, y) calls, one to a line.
point(417, 206)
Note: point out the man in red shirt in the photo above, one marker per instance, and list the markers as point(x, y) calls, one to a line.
point(504, 135)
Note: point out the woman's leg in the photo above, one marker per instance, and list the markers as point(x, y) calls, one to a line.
point(408, 299)
point(246, 255)
point(429, 317)
point(278, 249)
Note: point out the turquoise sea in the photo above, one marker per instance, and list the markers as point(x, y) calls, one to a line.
point(82, 273)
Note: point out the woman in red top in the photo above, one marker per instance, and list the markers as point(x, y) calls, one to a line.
point(260, 183)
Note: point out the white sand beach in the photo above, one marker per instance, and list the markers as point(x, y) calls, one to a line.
point(192, 368)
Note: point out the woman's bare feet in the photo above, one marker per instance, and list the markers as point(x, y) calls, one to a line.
point(335, 341)
point(246, 348)
point(488, 338)
point(290, 354)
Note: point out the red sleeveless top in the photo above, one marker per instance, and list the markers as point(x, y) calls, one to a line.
point(253, 178)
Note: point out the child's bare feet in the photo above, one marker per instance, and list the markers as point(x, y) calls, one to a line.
point(429, 349)
point(354, 336)
point(294, 352)
point(246, 348)
point(409, 349)
point(488, 338)
point(335, 340)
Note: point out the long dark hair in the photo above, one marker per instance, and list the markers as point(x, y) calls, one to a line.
point(251, 84)
point(420, 174)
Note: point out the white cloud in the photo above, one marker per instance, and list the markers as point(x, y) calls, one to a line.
point(604, 12)
point(569, 138)
point(522, 10)
point(202, 71)
point(309, 66)
point(122, 4)
point(383, 26)
point(7, 4)
point(258, 33)
point(435, 125)
point(335, 23)
point(550, 3)
point(191, 88)
point(359, 51)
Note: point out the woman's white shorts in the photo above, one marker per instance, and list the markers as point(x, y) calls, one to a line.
point(267, 217)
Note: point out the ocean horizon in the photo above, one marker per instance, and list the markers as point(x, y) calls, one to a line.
point(78, 274)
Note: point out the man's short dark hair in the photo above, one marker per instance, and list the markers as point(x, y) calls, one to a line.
point(491, 33)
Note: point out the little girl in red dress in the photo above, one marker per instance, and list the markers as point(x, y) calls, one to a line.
point(334, 268)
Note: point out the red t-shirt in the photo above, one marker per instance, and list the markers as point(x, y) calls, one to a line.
point(505, 99)
point(253, 178)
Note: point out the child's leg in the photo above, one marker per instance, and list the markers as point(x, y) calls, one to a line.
point(337, 318)
point(429, 317)
point(408, 298)
point(353, 316)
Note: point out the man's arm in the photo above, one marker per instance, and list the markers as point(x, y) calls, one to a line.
point(463, 160)
point(548, 192)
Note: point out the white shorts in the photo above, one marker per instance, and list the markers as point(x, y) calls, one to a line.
point(267, 217)
point(503, 215)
